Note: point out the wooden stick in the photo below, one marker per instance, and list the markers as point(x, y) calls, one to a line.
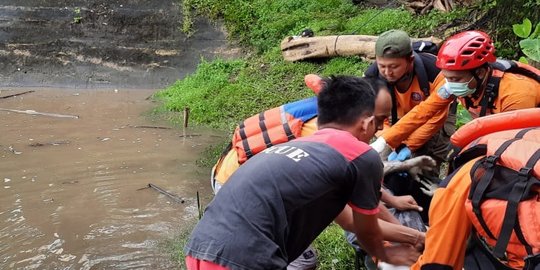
point(32, 112)
point(156, 127)
point(18, 94)
point(186, 116)
point(166, 193)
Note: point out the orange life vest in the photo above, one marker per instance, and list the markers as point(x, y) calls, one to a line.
point(504, 200)
point(271, 127)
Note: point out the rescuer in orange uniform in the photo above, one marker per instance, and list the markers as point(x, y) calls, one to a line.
point(467, 61)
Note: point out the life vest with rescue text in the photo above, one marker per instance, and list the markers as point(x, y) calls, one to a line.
point(272, 127)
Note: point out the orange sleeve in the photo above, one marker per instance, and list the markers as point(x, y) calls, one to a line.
point(433, 107)
point(517, 92)
point(424, 133)
point(450, 226)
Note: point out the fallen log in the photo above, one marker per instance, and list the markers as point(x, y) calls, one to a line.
point(300, 48)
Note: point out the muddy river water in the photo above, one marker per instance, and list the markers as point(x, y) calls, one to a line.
point(72, 190)
point(70, 193)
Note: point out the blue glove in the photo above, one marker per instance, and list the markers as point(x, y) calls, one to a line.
point(402, 154)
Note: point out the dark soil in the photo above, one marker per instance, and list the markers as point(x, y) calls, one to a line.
point(100, 43)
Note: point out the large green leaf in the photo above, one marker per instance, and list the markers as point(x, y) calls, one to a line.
point(523, 30)
point(531, 48)
point(536, 33)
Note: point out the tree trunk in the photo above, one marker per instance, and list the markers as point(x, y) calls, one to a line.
point(299, 48)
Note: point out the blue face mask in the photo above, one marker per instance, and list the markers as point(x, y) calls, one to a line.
point(459, 89)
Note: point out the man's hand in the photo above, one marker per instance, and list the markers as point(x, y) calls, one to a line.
point(415, 166)
point(402, 255)
point(428, 187)
point(379, 145)
point(406, 202)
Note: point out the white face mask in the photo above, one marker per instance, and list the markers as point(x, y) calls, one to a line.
point(459, 89)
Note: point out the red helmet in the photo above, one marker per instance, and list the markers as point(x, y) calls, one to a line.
point(466, 50)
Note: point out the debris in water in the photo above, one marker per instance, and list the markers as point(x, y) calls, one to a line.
point(18, 94)
point(164, 192)
point(38, 144)
point(32, 112)
point(155, 127)
point(6, 180)
point(12, 150)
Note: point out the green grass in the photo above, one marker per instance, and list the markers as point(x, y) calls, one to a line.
point(333, 251)
point(223, 92)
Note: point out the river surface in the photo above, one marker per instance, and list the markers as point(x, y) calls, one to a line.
point(73, 190)
point(78, 153)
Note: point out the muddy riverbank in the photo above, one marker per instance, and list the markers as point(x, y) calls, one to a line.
point(101, 44)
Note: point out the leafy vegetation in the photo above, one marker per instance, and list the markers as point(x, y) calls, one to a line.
point(498, 21)
point(223, 92)
point(530, 43)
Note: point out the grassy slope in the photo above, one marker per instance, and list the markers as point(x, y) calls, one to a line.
point(222, 92)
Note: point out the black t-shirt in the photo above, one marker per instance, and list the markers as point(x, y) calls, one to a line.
point(279, 201)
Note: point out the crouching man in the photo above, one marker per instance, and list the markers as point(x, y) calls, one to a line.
point(280, 200)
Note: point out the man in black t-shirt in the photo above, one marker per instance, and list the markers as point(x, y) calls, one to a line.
point(280, 200)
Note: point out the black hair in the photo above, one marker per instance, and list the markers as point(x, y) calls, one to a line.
point(378, 83)
point(344, 99)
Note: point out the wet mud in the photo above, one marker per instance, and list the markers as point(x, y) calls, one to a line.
point(100, 44)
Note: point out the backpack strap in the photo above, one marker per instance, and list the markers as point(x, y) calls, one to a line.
point(491, 92)
point(285, 124)
point(421, 73)
point(492, 87)
point(264, 130)
point(521, 188)
point(242, 132)
point(478, 255)
point(480, 187)
point(521, 238)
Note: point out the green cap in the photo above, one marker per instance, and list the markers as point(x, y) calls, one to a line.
point(395, 43)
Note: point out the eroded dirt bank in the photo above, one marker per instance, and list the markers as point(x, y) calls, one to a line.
point(98, 43)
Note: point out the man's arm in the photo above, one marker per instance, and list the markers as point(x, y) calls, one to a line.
point(415, 118)
point(369, 235)
point(424, 133)
point(390, 232)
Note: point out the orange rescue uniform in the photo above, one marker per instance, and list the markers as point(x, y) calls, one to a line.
point(515, 92)
point(408, 100)
point(450, 226)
